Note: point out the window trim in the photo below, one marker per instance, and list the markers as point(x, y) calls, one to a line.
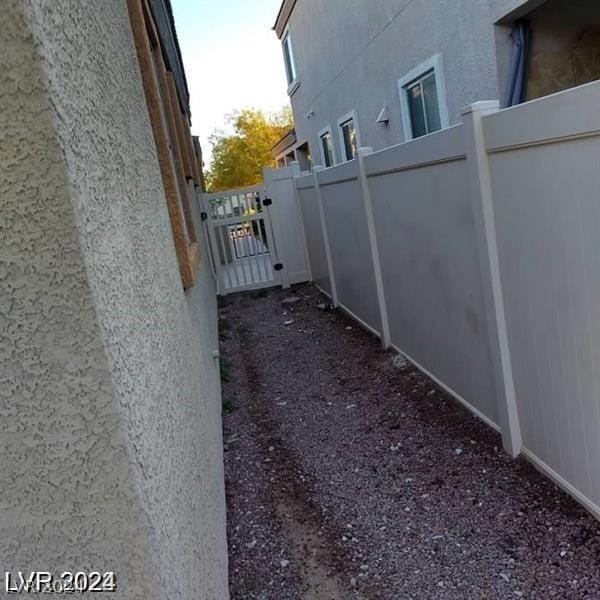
point(432, 64)
point(169, 126)
point(341, 121)
point(321, 133)
point(293, 83)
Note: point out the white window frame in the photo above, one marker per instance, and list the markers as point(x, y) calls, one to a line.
point(294, 84)
point(343, 119)
point(433, 64)
point(333, 153)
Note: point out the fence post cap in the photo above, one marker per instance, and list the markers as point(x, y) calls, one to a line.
point(489, 105)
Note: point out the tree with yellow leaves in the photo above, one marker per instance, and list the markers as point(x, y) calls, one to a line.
point(238, 158)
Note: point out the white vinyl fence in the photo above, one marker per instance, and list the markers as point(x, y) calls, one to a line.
point(241, 239)
point(475, 251)
point(544, 161)
point(256, 236)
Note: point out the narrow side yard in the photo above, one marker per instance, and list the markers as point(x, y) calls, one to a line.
point(350, 474)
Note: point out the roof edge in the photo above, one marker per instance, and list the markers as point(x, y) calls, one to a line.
point(287, 140)
point(285, 11)
point(164, 21)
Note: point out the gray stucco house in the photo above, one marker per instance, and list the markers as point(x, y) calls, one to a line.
point(381, 72)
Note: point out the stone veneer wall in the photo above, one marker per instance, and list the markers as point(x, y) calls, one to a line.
point(110, 444)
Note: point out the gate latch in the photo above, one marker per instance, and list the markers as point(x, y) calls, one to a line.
point(277, 266)
point(203, 216)
point(267, 202)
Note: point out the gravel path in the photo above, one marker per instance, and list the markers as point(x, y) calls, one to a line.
point(350, 475)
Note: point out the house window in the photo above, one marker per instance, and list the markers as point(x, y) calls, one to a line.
point(348, 136)
point(290, 67)
point(326, 148)
point(423, 105)
point(422, 99)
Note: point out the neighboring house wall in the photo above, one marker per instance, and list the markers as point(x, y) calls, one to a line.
point(110, 451)
point(350, 54)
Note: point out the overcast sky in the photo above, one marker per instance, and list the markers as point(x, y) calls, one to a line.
point(232, 59)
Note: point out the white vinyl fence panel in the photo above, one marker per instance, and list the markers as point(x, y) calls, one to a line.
point(544, 161)
point(313, 232)
point(285, 217)
point(349, 243)
point(429, 258)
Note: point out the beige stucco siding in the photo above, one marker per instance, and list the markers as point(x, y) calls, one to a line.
point(110, 450)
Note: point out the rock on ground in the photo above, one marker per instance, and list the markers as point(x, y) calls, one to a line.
point(349, 475)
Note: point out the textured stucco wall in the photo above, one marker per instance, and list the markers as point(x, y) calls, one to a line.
point(110, 451)
point(349, 55)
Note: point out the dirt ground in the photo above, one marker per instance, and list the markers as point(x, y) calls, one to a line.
point(351, 475)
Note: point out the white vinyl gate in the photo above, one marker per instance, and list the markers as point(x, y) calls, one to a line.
point(241, 239)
